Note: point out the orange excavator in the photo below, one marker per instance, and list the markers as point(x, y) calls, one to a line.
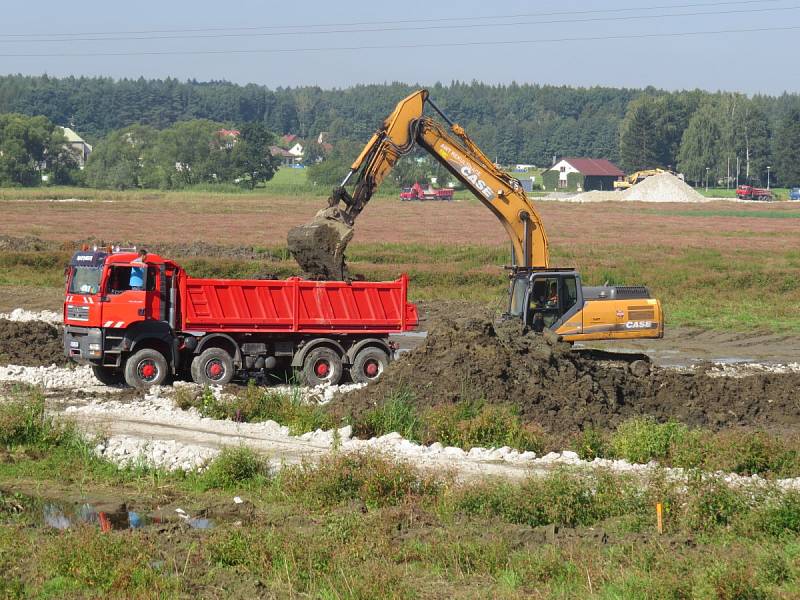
point(542, 297)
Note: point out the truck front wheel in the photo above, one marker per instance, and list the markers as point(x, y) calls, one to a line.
point(369, 365)
point(108, 375)
point(145, 368)
point(322, 366)
point(213, 367)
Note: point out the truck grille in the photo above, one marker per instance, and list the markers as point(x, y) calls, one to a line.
point(78, 313)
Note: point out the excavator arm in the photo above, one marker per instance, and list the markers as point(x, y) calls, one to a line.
point(319, 246)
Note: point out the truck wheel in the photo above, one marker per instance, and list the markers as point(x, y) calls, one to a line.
point(108, 375)
point(322, 366)
point(145, 368)
point(214, 366)
point(369, 365)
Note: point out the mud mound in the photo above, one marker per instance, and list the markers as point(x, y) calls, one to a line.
point(30, 343)
point(567, 391)
point(664, 187)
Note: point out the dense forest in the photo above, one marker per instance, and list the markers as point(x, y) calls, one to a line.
point(512, 123)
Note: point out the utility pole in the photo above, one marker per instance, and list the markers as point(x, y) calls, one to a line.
point(728, 178)
point(737, 170)
point(707, 169)
point(768, 168)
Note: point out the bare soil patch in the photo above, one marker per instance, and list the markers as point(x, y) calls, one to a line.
point(31, 343)
point(567, 391)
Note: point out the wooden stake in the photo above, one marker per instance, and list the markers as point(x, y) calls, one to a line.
point(659, 517)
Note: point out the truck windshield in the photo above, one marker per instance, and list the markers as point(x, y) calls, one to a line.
point(85, 280)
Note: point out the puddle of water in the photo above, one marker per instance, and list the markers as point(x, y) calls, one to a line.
point(65, 516)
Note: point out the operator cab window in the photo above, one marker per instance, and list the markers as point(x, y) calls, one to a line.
point(550, 299)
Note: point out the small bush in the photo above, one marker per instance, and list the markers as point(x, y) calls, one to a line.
point(782, 516)
point(468, 425)
point(255, 404)
point(24, 422)
point(641, 439)
point(234, 467)
point(712, 503)
point(375, 480)
point(397, 414)
point(592, 444)
point(561, 498)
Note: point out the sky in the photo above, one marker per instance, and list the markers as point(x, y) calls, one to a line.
point(739, 45)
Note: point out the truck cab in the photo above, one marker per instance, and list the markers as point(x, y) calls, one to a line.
point(555, 299)
point(114, 302)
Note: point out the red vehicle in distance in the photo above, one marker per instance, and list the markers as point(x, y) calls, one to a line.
point(748, 192)
point(417, 192)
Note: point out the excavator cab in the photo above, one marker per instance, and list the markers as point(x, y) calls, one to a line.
point(545, 299)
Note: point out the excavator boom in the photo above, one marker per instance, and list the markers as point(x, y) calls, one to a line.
point(319, 246)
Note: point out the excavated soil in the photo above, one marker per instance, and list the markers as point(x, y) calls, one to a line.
point(566, 390)
point(31, 343)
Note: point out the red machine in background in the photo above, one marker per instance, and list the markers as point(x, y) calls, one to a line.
point(170, 323)
point(748, 192)
point(417, 192)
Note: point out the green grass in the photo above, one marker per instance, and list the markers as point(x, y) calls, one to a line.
point(780, 193)
point(361, 525)
point(257, 404)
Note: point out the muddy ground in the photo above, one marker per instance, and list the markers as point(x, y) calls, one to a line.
point(566, 391)
point(31, 343)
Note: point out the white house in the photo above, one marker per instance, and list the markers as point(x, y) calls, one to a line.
point(78, 145)
point(297, 151)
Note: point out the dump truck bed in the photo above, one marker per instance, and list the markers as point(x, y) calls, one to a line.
point(296, 306)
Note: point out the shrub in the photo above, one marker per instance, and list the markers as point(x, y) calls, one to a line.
point(397, 414)
point(234, 467)
point(375, 480)
point(641, 439)
point(712, 503)
point(782, 516)
point(592, 444)
point(469, 424)
point(256, 404)
point(24, 422)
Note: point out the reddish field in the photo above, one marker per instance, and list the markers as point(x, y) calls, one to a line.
point(264, 221)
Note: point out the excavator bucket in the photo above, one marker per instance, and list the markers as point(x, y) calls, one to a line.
point(318, 247)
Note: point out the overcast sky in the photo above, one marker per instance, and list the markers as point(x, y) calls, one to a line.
point(468, 39)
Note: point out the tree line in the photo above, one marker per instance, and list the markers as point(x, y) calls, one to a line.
point(699, 133)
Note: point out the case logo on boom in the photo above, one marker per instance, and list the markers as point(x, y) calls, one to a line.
point(479, 183)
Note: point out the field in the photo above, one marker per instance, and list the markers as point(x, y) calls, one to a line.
point(329, 516)
point(715, 266)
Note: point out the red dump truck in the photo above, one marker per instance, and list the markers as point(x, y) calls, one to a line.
point(417, 192)
point(142, 319)
point(748, 192)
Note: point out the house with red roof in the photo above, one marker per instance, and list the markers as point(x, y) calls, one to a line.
point(582, 175)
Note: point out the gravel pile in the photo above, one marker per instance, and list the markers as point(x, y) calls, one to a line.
point(663, 187)
point(23, 316)
point(51, 377)
point(126, 451)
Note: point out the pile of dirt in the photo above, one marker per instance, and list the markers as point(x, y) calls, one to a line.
point(664, 187)
point(31, 343)
point(566, 390)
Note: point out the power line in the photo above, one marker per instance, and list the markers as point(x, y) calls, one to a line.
point(403, 28)
point(401, 46)
point(64, 36)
